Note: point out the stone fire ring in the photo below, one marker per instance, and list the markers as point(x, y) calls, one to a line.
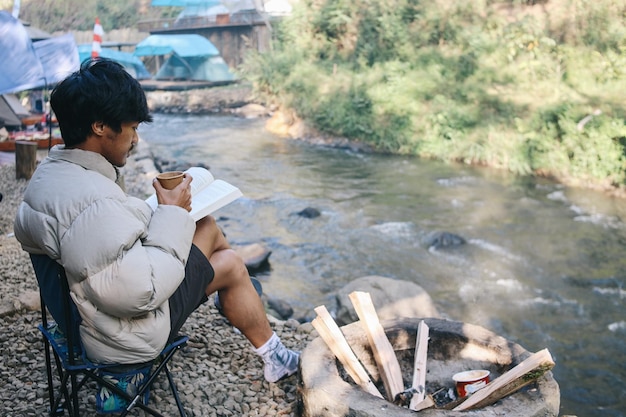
point(325, 389)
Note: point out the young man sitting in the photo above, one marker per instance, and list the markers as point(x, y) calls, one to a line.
point(135, 275)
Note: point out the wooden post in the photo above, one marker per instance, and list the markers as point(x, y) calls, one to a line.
point(337, 343)
point(381, 347)
point(25, 159)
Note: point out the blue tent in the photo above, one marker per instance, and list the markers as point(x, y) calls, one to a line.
point(185, 46)
point(190, 57)
point(133, 65)
point(27, 65)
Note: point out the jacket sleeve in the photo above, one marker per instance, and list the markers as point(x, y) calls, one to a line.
point(131, 260)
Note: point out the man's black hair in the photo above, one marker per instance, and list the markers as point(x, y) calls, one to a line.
point(101, 90)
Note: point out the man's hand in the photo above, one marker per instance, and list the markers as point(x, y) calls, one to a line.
point(179, 196)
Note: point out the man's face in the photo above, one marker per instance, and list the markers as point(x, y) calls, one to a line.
point(117, 146)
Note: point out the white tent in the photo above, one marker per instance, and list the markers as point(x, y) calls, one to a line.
point(11, 110)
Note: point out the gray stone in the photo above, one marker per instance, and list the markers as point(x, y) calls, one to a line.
point(251, 111)
point(280, 307)
point(255, 255)
point(7, 307)
point(392, 298)
point(30, 300)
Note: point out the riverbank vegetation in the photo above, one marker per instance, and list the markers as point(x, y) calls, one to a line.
point(78, 15)
point(534, 87)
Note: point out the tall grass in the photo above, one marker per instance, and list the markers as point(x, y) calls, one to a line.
point(532, 88)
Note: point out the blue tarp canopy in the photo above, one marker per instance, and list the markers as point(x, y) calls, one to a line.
point(27, 65)
point(58, 57)
point(20, 69)
point(133, 65)
point(185, 46)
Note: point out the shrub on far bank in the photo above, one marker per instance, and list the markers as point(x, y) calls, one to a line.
point(522, 87)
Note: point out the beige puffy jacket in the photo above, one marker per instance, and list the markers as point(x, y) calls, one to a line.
point(122, 260)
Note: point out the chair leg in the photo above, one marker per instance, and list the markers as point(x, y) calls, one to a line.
point(179, 403)
point(59, 406)
point(49, 373)
point(75, 388)
point(55, 409)
point(70, 397)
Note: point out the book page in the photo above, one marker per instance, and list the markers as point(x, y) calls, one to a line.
point(202, 177)
point(213, 197)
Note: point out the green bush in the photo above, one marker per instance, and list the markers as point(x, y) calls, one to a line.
point(566, 141)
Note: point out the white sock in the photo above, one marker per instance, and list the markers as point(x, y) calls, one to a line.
point(280, 362)
point(267, 346)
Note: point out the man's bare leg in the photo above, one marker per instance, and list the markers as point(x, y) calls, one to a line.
point(240, 302)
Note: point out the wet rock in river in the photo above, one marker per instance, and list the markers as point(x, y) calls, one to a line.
point(309, 213)
point(442, 240)
point(282, 308)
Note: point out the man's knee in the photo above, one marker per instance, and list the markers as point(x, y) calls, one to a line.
point(238, 264)
point(207, 224)
point(233, 264)
point(209, 237)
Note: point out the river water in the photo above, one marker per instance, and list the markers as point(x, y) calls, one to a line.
point(543, 266)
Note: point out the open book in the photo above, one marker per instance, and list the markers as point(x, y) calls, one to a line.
point(208, 194)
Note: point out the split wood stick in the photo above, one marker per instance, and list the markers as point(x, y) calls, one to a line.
point(427, 402)
point(384, 354)
point(521, 375)
point(337, 343)
point(419, 366)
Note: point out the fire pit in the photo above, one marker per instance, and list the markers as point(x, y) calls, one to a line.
point(325, 389)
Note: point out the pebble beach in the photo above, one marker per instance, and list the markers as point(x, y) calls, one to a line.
point(217, 373)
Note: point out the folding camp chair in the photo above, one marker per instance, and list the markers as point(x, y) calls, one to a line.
point(121, 387)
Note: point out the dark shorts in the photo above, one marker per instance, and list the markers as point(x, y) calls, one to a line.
point(191, 293)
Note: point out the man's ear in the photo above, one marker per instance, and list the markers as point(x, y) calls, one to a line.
point(98, 128)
